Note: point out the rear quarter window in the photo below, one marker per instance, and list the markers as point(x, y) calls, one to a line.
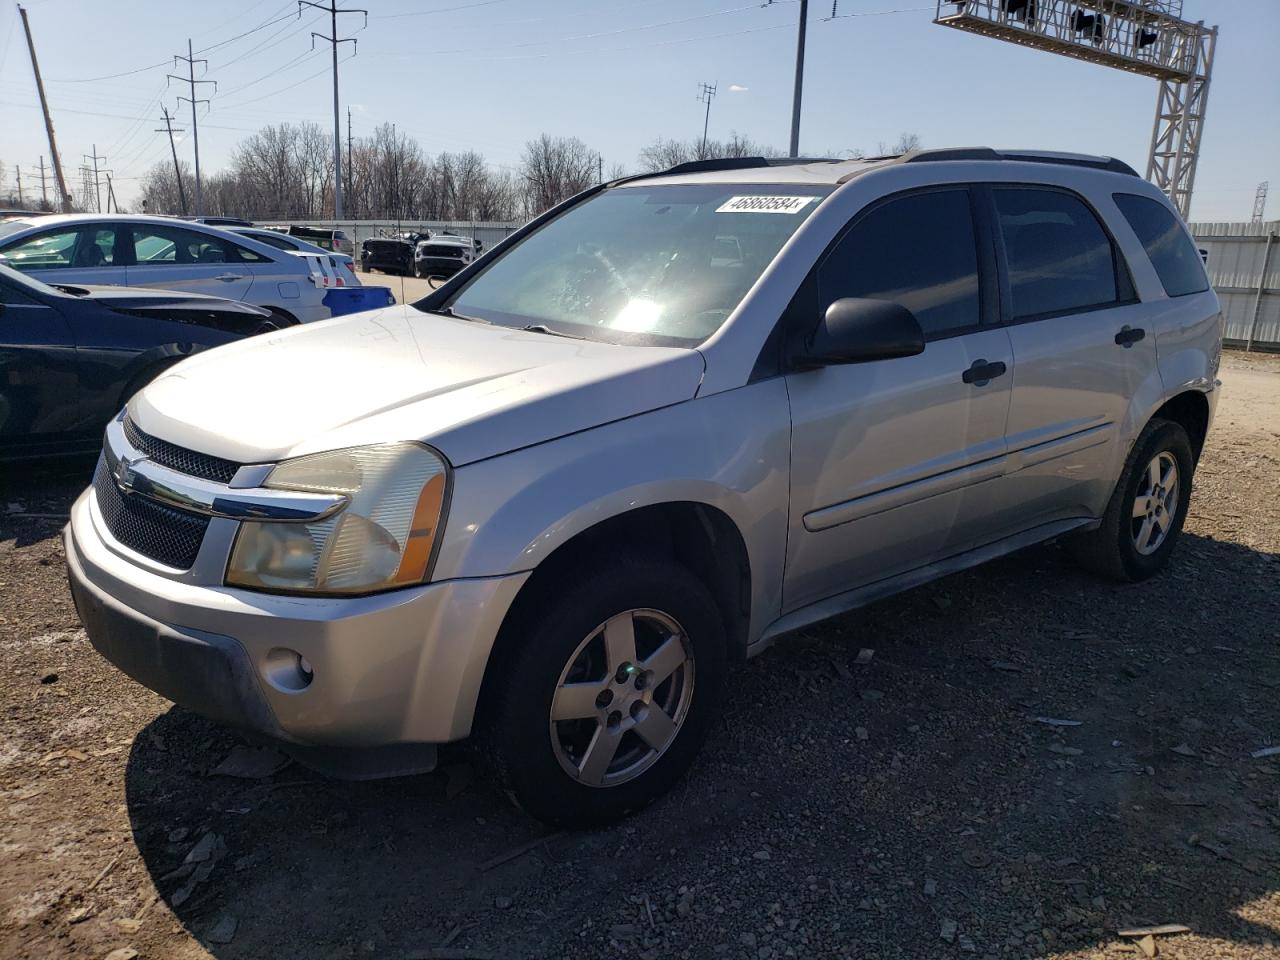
point(1169, 247)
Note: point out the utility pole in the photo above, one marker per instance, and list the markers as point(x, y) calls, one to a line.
point(48, 121)
point(599, 170)
point(97, 187)
point(44, 194)
point(111, 195)
point(707, 93)
point(190, 79)
point(177, 172)
point(18, 171)
point(349, 167)
point(334, 40)
point(795, 102)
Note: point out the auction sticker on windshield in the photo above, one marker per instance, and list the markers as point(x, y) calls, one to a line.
point(758, 204)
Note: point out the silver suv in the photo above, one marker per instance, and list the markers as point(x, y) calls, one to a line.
point(661, 426)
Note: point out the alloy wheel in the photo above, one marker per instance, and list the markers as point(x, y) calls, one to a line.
point(1156, 504)
point(622, 698)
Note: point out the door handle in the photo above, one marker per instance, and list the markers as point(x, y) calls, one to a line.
point(228, 277)
point(1128, 336)
point(982, 373)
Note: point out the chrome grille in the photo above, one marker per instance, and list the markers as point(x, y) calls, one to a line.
point(180, 458)
point(167, 536)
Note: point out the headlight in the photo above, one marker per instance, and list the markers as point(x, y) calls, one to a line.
point(384, 538)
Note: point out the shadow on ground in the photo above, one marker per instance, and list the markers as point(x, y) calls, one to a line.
point(908, 807)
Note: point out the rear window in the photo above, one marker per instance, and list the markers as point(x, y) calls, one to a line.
point(1174, 256)
point(1060, 259)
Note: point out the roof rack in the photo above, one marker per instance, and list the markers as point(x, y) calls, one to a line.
point(1024, 156)
point(738, 163)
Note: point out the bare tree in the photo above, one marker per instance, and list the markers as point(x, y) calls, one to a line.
point(554, 169)
point(663, 153)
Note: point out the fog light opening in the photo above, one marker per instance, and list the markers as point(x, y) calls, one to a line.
point(287, 670)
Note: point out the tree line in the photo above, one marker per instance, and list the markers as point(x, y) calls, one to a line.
point(285, 172)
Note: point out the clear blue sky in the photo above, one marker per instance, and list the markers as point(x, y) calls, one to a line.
point(489, 74)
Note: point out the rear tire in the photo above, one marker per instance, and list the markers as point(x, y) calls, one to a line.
point(577, 739)
point(1147, 509)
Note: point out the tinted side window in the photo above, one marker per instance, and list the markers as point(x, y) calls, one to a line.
point(44, 251)
point(918, 251)
point(1060, 259)
point(157, 246)
point(245, 255)
point(1172, 253)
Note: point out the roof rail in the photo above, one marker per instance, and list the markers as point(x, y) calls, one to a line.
point(737, 163)
point(1023, 156)
point(1071, 160)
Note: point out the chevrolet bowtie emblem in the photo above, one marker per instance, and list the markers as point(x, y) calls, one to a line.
point(124, 475)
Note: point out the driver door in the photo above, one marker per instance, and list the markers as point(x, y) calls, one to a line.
point(886, 455)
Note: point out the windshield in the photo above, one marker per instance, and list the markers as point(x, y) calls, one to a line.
point(644, 264)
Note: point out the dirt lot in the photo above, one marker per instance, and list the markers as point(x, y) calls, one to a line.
point(908, 807)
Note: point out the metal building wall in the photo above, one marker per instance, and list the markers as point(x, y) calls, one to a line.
point(1244, 267)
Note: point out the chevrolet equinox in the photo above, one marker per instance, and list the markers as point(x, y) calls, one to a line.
point(665, 423)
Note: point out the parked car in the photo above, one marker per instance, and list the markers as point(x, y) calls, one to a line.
point(390, 254)
point(443, 255)
point(72, 356)
point(324, 237)
point(659, 427)
point(343, 264)
point(20, 214)
point(219, 221)
point(138, 251)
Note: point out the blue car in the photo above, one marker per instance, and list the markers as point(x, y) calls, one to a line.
point(71, 355)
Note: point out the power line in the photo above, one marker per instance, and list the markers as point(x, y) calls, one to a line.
point(431, 13)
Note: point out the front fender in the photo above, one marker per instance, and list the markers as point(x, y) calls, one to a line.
point(730, 451)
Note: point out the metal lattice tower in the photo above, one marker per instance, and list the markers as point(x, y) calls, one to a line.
point(1147, 37)
point(1260, 202)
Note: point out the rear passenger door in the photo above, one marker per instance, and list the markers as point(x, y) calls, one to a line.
point(174, 258)
point(884, 454)
point(1081, 350)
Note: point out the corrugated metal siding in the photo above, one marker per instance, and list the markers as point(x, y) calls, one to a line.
point(1237, 252)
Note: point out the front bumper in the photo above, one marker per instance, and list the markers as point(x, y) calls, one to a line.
point(438, 266)
point(393, 673)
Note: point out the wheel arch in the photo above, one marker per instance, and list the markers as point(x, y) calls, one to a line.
point(695, 534)
point(1189, 409)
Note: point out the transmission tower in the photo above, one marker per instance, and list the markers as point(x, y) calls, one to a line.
point(1260, 202)
point(706, 93)
point(190, 79)
point(97, 185)
point(333, 39)
point(1147, 37)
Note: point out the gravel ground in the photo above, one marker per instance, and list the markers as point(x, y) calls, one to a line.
point(911, 806)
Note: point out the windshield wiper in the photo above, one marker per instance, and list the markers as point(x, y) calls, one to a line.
point(543, 328)
point(450, 312)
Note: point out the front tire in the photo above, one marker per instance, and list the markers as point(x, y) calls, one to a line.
point(1147, 509)
point(607, 687)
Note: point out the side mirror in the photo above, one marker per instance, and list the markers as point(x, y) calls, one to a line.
point(857, 330)
point(436, 282)
point(1204, 255)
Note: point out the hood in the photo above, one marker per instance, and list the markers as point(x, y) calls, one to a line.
point(469, 389)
